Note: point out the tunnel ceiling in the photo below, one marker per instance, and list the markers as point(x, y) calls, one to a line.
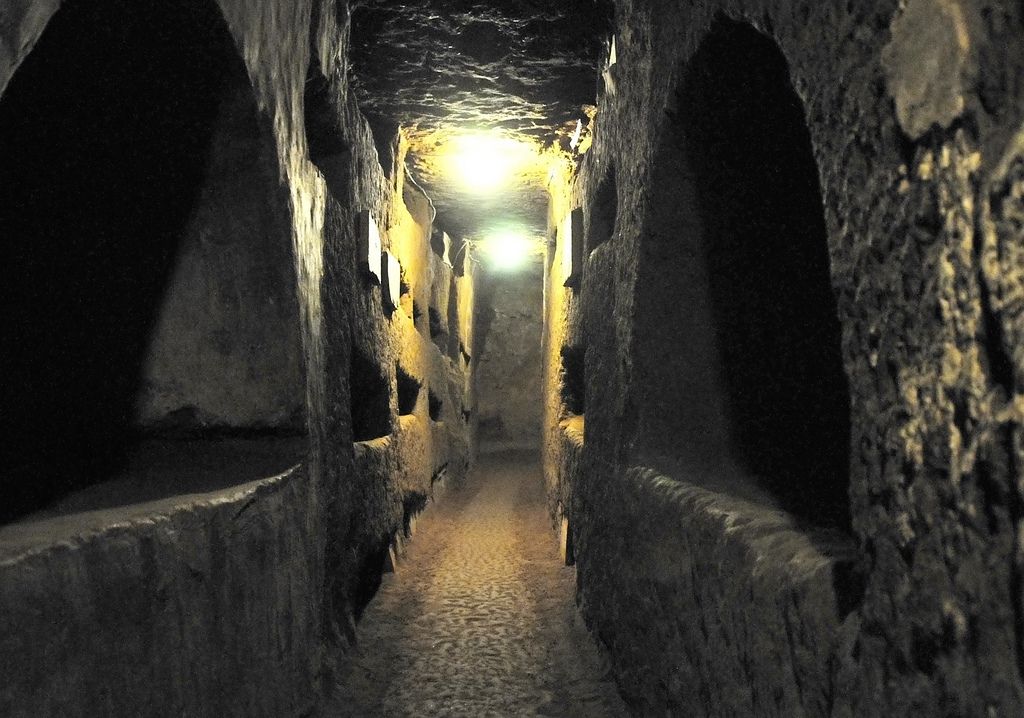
point(439, 68)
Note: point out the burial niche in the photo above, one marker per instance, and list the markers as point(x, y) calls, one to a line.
point(738, 337)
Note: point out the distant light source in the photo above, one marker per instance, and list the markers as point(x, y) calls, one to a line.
point(484, 163)
point(508, 251)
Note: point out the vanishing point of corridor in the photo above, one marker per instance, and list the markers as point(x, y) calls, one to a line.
point(479, 617)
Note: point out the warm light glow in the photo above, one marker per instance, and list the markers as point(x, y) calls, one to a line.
point(485, 163)
point(508, 251)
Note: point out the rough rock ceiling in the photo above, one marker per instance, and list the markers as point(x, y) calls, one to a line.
point(444, 68)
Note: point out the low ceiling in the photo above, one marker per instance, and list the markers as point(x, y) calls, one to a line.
point(443, 70)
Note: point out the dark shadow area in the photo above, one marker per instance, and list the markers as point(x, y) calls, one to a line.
point(413, 503)
point(408, 391)
point(370, 399)
point(438, 335)
point(225, 356)
point(368, 574)
point(603, 212)
point(765, 251)
point(385, 140)
point(104, 133)
point(435, 406)
point(155, 470)
point(453, 321)
point(324, 139)
point(572, 380)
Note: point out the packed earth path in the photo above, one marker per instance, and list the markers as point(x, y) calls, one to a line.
point(479, 618)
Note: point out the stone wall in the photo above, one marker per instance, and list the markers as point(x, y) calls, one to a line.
point(185, 576)
point(913, 122)
point(510, 363)
point(193, 605)
point(226, 352)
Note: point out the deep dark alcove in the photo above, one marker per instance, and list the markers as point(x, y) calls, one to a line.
point(572, 380)
point(104, 132)
point(408, 391)
point(765, 252)
point(370, 399)
point(435, 406)
point(437, 332)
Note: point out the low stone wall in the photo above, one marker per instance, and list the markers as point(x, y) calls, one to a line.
point(198, 605)
point(710, 605)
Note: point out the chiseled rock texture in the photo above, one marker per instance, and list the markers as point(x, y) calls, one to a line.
point(195, 605)
point(914, 113)
point(453, 66)
point(226, 349)
point(510, 307)
point(715, 602)
point(238, 601)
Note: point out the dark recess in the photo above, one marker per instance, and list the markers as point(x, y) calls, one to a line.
point(408, 391)
point(412, 504)
point(104, 133)
point(603, 211)
point(766, 251)
point(327, 150)
point(385, 139)
point(368, 574)
point(435, 406)
point(572, 382)
point(453, 321)
point(437, 333)
point(370, 399)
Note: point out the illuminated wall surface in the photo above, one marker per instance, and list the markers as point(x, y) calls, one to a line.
point(745, 274)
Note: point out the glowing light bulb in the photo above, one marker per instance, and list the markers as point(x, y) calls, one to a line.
point(508, 251)
point(484, 163)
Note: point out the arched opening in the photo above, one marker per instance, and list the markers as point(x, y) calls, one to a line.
point(740, 342)
point(147, 248)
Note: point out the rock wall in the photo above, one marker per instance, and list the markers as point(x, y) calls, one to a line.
point(914, 125)
point(226, 352)
point(205, 587)
point(194, 605)
point(510, 363)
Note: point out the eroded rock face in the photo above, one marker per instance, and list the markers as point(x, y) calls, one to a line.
point(243, 592)
point(526, 68)
point(914, 122)
point(511, 363)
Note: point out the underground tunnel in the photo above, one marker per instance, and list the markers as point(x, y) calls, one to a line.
point(596, 358)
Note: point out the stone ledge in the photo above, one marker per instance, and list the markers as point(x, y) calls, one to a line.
point(710, 603)
point(192, 605)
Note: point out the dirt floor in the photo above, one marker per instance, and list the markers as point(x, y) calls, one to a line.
point(479, 619)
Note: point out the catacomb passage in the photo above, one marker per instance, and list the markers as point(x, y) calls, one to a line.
point(507, 358)
point(477, 617)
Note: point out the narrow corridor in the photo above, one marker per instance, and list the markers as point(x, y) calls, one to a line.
point(479, 619)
